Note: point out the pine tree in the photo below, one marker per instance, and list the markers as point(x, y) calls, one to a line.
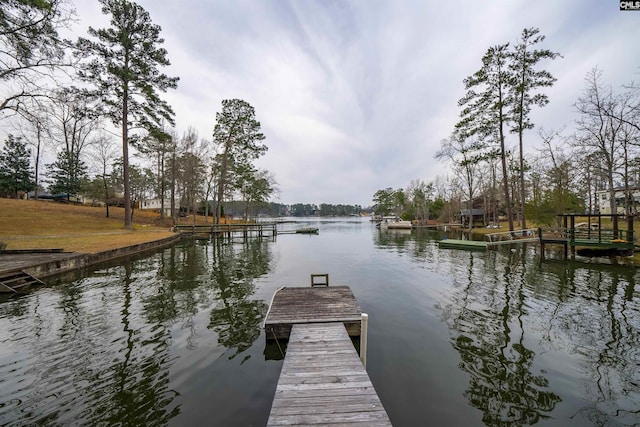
point(485, 112)
point(526, 80)
point(15, 168)
point(124, 66)
point(237, 134)
point(68, 174)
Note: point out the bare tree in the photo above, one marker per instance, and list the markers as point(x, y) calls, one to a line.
point(556, 162)
point(36, 131)
point(104, 151)
point(158, 143)
point(464, 155)
point(31, 50)
point(190, 167)
point(600, 130)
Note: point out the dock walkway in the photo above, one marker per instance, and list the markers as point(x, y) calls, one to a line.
point(323, 381)
point(492, 239)
point(258, 230)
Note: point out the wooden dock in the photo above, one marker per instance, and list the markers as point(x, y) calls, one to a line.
point(308, 230)
point(312, 305)
point(493, 239)
point(257, 230)
point(572, 236)
point(323, 382)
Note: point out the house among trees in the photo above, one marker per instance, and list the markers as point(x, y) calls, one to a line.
point(484, 211)
point(155, 205)
point(476, 216)
point(623, 201)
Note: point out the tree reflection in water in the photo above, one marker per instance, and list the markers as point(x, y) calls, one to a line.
point(236, 318)
point(486, 316)
point(595, 307)
point(134, 389)
point(214, 274)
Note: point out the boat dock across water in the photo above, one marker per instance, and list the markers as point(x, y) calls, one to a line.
point(492, 239)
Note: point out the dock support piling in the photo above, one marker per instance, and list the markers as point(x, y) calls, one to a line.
point(364, 329)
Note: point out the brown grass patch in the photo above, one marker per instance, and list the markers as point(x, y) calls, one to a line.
point(29, 224)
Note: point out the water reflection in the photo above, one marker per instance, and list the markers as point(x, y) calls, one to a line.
point(456, 337)
point(98, 350)
point(235, 317)
point(596, 312)
point(505, 308)
point(486, 319)
point(134, 389)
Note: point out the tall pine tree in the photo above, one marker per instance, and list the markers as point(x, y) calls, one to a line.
point(485, 109)
point(123, 64)
point(526, 80)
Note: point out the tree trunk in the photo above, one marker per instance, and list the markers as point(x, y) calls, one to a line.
point(125, 159)
point(173, 186)
point(37, 159)
point(523, 192)
point(223, 178)
point(505, 175)
point(613, 206)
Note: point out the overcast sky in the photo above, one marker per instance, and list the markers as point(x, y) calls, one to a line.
point(355, 96)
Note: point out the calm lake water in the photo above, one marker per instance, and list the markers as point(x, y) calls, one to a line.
point(461, 338)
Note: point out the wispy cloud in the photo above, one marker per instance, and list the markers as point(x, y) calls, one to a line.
point(354, 96)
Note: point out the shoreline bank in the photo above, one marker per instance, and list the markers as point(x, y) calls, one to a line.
point(42, 265)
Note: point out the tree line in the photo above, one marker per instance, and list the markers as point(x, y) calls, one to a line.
point(119, 69)
point(420, 201)
point(273, 209)
point(564, 171)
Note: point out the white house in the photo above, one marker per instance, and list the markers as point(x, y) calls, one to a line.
point(156, 205)
point(603, 198)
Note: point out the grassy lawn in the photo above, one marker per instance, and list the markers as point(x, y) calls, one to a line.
point(29, 224)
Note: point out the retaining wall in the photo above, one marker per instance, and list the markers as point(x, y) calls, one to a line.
point(83, 260)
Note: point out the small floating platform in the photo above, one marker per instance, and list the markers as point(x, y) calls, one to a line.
point(310, 230)
point(323, 382)
point(463, 244)
point(292, 306)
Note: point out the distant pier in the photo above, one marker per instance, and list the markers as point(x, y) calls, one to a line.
point(229, 231)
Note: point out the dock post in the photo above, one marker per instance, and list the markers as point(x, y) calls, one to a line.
point(364, 327)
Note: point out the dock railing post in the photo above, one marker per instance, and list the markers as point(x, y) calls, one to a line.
point(364, 327)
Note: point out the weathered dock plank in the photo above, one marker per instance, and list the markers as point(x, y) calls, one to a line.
point(323, 382)
point(312, 305)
